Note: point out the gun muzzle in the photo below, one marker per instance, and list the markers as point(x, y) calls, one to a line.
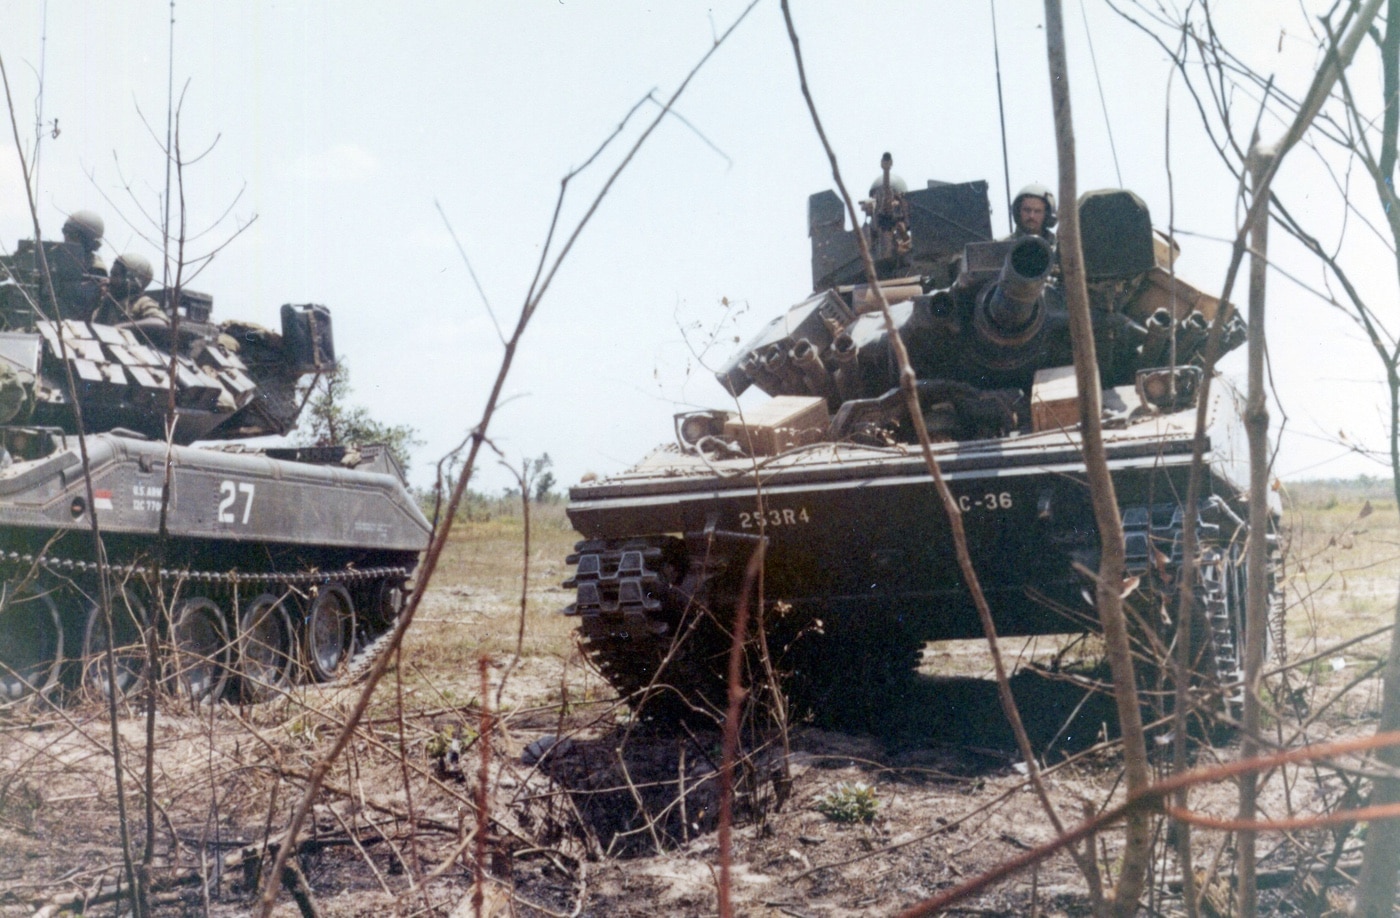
point(1236, 333)
point(846, 356)
point(809, 363)
point(1156, 346)
point(1007, 309)
point(753, 368)
point(775, 361)
point(1191, 336)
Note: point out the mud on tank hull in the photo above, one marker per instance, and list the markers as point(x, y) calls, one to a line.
point(273, 569)
point(860, 569)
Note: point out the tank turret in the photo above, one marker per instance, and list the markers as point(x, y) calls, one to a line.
point(982, 316)
point(231, 380)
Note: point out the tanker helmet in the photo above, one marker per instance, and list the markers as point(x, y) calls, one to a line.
point(135, 268)
point(1037, 191)
point(85, 225)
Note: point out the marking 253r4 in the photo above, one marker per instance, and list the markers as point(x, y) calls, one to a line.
point(787, 516)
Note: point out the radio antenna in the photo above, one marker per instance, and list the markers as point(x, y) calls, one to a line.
point(1001, 109)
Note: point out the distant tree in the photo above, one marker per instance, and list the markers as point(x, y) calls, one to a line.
point(540, 471)
point(533, 477)
point(330, 420)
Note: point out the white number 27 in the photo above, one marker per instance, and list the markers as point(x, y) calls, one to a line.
point(229, 491)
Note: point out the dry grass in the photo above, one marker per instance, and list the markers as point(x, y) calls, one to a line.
point(1341, 573)
point(474, 609)
point(1342, 566)
point(219, 772)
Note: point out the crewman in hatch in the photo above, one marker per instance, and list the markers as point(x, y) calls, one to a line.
point(125, 300)
point(1033, 210)
point(85, 228)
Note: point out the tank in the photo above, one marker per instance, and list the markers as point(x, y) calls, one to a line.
point(859, 570)
point(258, 567)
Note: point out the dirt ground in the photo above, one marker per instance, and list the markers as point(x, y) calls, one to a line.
point(594, 814)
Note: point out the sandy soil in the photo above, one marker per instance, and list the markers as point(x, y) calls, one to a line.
point(593, 814)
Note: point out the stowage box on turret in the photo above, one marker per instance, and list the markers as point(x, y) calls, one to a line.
point(256, 566)
point(859, 569)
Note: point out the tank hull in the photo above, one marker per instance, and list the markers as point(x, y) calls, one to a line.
point(223, 498)
point(858, 546)
point(872, 532)
point(330, 546)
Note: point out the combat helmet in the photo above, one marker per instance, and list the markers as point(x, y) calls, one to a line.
point(1035, 190)
point(85, 225)
point(137, 270)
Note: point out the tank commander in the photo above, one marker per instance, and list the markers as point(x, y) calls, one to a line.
point(1033, 210)
point(125, 302)
point(78, 272)
point(85, 228)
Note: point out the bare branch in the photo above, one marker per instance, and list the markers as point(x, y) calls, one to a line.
point(439, 541)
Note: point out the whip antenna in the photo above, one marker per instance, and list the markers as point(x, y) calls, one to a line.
point(39, 103)
point(1103, 103)
point(1001, 109)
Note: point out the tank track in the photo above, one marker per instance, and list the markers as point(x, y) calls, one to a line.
point(60, 565)
point(617, 590)
point(632, 610)
point(363, 661)
point(645, 625)
point(1218, 587)
point(356, 668)
point(1154, 552)
point(634, 596)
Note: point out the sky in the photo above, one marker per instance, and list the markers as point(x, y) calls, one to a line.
point(331, 146)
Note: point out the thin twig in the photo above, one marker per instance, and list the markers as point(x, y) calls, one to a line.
point(952, 512)
point(538, 288)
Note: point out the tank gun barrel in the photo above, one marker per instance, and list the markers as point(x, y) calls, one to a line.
point(1009, 304)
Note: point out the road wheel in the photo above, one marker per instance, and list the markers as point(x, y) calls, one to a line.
point(31, 642)
point(201, 650)
point(266, 647)
point(330, 631)
point(122, 634)
point(386, 602)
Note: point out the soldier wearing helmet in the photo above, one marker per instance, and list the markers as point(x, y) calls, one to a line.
point(125, 300)
point(1033, 210)
point(85, 228)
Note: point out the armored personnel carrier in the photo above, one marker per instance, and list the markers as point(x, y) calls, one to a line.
point(859, 569)
point(257, 566)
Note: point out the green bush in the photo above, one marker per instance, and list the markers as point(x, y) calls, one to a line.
point(849, 801)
